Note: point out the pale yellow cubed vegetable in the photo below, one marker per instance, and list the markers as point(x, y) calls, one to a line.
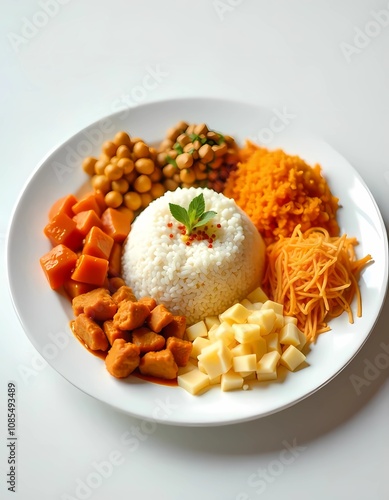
point(303, 340)
point(199, 329)
point(215, 359)
point(193, 381)
point(246, 303)
point(246, 333)
point(241, 350)
point(211, 332)
point(235, 314)
point(290, 319)
point(258, 347)
point(198, 345)
point(277, 308)
point(264, 318)
point(289, 335)
point(257, 295)
point(248, 375)
point(292, 358)
point(273, 342)
point(215, 380)
point(246, 363)
point(210, 321)
point(279, 322)
point(225, 333)
point(267, 366)
point(187, 368)
point(231, 381)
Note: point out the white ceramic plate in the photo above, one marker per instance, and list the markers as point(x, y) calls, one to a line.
point(45, 315)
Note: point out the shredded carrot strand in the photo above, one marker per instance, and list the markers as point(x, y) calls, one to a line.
point(315, 276)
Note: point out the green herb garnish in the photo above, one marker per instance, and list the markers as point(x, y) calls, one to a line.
point(177, 147)
point(171, 161)
point(194, 216)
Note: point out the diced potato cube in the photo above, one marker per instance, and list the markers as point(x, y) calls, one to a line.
point(256, 306)
point(292, 358)
point(258, 347)
point(235, 314)
point(211, 332)
point(273, 343)
point(225, 333)
point(303, 340)
point(211, 321)
point(193, 381)
point(264, 318)
point(290, 319)
point(279, 322)
point(241, 350)
point(277, 308)
point(215, 380)
point(289, 335)
point(267, 366)
point(198, 345)
point(187, 368)
point(246, 333)
point(246, 303)
point(216, 359)
point(257, 295)
point(245, 363)
point(248, 375)
point(231, 381)
point(200, 366)
point(199, 329)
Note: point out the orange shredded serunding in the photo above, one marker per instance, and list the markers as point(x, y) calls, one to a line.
point(278, 191)
point(315, 276)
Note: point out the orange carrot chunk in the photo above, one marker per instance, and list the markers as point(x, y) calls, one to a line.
point(58, 265)
point(92, 270)
point(98, 243)
point(63, 230)
point(88, 202)
point(76, 288)
point(63, 205)
point(115, 260)
point(117, 224)
point(85, 220)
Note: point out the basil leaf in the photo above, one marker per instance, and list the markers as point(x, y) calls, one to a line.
point(180, 214)
point(205, 217)
point(197, 207)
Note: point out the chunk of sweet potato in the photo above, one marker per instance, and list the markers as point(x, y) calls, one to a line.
point(117, 224)
point(124, 293)
point(87, 202)
point(98, 244)
point(159, 318)
point(92, 270)
point(159, 364)
point(58, 265)
point(90, 333)
point(62, 230)
point(176, 328)
point(97, 304)
point(86, 220)
point(147, 340)
point(181, 350)
point(130, 315)
point(115, 260)
point(122, 359)
point(149, 301)
point(63, 205)
point(113, 332)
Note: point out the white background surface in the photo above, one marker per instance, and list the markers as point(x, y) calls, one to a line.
point(312, 62)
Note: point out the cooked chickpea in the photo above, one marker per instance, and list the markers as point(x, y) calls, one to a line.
point(206, 154)
point(105, 157)
point(172, 133)
point(131, 177)
point(114, 160)
point(123, 152)
point(201, 129)
point(169, 170)
point(220, 150)
point(144, 166)
point(122, 139)
point(132, 200)
point(183, 139)
point(161, 159)
point(184, 160)
point(156, 175)
point(109, 148)
point(199, 172)
point(141, 150)
point(187, 175)
point(121, 185)
point(197, 145)
point(216, 163)
point(142, 184)
point(182, 125)
point(113, 199)
point(176, 177)
point(188, 147)
point(157, 190)
point(88, 165)
point(170, 184)
point(113, 172)
point(100, 167)
point(165, 144)
point(127, 165)
point(101, 183)
point(146, 199)
point(172, 153)
point(153, 154)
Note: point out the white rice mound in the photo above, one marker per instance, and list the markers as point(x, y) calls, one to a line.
point(195, 281)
